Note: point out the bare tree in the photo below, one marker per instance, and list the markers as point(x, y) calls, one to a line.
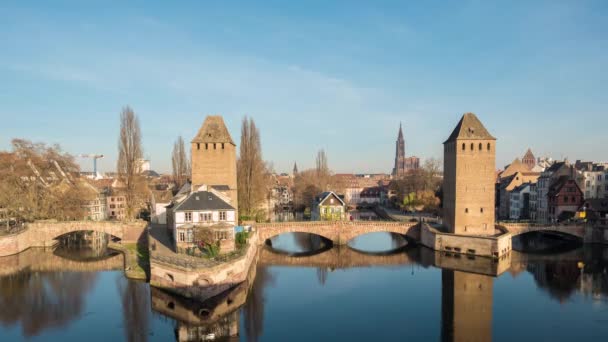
point(323, 173)
point(252, 173)
point(180, 162)
point(41, 182)
point(130, 154)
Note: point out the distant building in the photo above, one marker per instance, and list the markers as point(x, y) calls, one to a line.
point(545, 182)
point(116, 205)
point(514, 175)
point(469, 178)
point(95, 207)
point(520, 202)
point(529, 160)
point(595, 209)
point(402, 164)
point(594, 179)
point(564, 198)
point(328, 207)
point(533, 200)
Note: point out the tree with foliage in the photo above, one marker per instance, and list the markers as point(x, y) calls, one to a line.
point(180, 163)
point(253, 177)
point(130, 155)
point(418, 188)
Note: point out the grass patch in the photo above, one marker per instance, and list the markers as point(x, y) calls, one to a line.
point(137, 259)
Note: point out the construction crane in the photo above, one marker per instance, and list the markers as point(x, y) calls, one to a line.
point(94, 157)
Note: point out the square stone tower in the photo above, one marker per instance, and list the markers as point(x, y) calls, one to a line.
point(214, 158)
point(469, 161)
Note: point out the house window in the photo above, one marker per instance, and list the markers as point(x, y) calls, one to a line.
point(480, 146)
point(188, 217)
point(463, 148)
point(198, 146)
point(222, 146)
point(223, 216)
point(472, 146)
point(466, 210)
point(214, 146)
point(206, 146)
point(488, 146)
point(182, 236)
point(189, 236)
point(481, 210)
point(204, 217)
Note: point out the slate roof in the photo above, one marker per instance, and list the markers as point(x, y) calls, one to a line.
point(203, 200)
point(322, 197)
point(221, 187)
point(556, 166)
point(520, 187)
point(469, 127)
point(213, 131)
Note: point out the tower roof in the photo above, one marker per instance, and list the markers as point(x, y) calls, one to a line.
point(529, 155)
point(400, 136)
point(213, 131)
point(469, 127)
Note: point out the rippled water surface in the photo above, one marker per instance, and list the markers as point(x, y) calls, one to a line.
point(377, 288)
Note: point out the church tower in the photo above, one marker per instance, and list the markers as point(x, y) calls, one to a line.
point(469, 178)
point(529, 160)
point(399, 168)
point(214, 158)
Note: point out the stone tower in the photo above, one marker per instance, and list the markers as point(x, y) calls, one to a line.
point(529, 160)
point(399, 154)
point(214, 158)
point(469, 178)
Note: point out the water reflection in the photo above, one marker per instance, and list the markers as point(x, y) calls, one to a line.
point(216, 318)
point(466, 306)
point(339, 293)
point(38, 301)
point(135, 300)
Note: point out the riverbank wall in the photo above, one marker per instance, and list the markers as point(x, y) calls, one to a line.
point(201, 278)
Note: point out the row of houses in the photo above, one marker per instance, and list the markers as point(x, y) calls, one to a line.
point(544, 190)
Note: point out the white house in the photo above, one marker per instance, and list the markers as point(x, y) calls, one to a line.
point(205, 208)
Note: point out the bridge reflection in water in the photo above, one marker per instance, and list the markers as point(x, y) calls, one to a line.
point(41, 290)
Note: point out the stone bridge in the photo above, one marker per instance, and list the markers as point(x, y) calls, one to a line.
point(574, 230)
point(335, 258)
point(44, 233)
point(339, 232)
point(41, 260)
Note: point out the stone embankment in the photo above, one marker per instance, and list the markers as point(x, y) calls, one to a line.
point(198, 277)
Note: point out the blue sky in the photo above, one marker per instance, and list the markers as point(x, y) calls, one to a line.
point(337, 75)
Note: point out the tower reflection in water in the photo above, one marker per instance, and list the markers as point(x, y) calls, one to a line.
point(213, 319)
point(467, 285)
point(466, 312)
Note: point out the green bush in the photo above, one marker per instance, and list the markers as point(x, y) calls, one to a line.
point(241, 238)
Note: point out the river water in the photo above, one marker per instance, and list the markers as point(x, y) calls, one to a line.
point(551, 291)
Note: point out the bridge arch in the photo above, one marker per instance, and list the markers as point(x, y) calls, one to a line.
point(339, 232)
point(383, 242)
point(575, 231)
